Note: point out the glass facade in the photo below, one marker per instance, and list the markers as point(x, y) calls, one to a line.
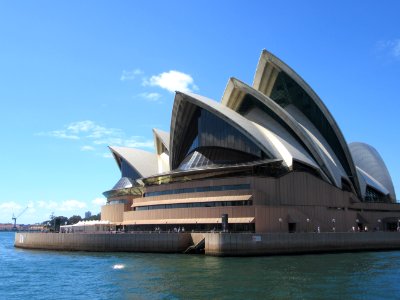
point(203, 157)
point(128, 171)
point(118, 201)
point(200, 189)
point(197, 204)
point(372, 195)
point(123, 183)
point(216, 142)
point(287, 92)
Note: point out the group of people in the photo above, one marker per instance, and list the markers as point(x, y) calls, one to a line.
point(176, 229)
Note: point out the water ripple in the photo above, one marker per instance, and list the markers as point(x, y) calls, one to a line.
point(27, 274)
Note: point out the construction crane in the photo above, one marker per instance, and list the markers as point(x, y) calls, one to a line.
point(14, 218)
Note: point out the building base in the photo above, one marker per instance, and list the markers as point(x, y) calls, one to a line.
point(216, 244)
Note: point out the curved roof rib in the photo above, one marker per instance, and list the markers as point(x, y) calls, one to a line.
point(161, 143)
point(143, 162)
point(238, 95)
point(369, 161)
point(162, 137)
point(184, 106)
point(278, 81)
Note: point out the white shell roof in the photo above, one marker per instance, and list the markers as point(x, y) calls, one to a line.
point(367, 179)
point(233, 97)
point(368, 159)
point(265, 138)
point(162, 136)
point(144, 162)
point(268, 68)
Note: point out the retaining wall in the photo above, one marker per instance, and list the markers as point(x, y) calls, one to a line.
point(218, 244)
point(244, 244)
point(137, 242)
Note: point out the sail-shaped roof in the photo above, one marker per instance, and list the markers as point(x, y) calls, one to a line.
point(266, 139)
point(143, 162)
point(370, 162)
point(278, 81)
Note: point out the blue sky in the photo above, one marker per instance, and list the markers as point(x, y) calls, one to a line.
point(76, 76)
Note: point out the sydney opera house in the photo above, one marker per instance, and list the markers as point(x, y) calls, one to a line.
point(268, 158)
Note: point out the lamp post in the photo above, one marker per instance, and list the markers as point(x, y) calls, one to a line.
point(333, 225)
point(379, 224)
point(358, 222)
point(308, 223)
point(280, 224)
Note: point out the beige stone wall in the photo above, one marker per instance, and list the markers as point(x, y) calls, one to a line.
point(221, 244)
point(246, 244)
point(138, 242)
point(113, 212)
point(294, 197)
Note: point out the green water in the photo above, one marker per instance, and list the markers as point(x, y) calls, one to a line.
point(27, 274)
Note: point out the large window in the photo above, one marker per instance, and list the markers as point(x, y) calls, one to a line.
point(287, 92)
point(372, 195)
point(128, 171)
point(196, 204)
point(118, 201)
point(232, 187)
point(216, 142)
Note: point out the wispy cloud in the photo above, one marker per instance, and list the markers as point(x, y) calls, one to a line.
point(93, 135)
point(105, 155)
point(87, 148)
point(172, 81)
point(40, 210)
point(63, 206)
point(99, 201)
point(389, 47)
point(130, 75)
point(60, 134)
point(91, 129)
point(10, 206)
point(150, 96)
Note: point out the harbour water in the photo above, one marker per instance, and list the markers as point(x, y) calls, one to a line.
point(28, 274)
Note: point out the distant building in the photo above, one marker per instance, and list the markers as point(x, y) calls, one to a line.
point(6, 227)
point(88, 214)
point(270, 157)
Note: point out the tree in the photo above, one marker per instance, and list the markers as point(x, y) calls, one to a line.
point(94, 218)
point(74, 219)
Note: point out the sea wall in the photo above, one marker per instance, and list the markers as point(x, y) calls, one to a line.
point(103, 242)
point(247, 244)
point(217, 244)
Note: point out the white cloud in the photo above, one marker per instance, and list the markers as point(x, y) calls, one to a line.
point(99, 201)
point(10, 206)
point(396, 49)
point(91, 129)
point(130, 75)
point(63, 206)
point(82, 129)
point(61, 134)
point(106, 155)
point(136, 143)
point(172, 81)
point(390, 47)
point(150, 96)
point(87, 148)
point(94, 135)
point(133, 142)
